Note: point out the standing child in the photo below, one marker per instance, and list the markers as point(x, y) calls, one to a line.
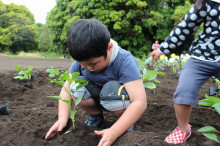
point(112, 73)
point(203, 63)
point(155, 45)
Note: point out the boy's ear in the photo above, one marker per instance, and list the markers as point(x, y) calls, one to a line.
point(110, 46)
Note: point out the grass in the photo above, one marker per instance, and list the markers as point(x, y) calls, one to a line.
point(48, 55)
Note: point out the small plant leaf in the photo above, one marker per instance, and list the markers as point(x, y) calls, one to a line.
point(156, 81)
point(67, 132)
point(78, 101)
point(29, 69)
point(211, 136)
point(204, 103)
point(18, 68)
point(75, 75)
point(64, 100)
point(81, 85)
point(80, 81)
point(51, 75)
point(152, 74)
point(217, 107)
point(19, 77)
point(21, 72)
point(65, 76)
point(55, 97)
point(208, 129)
point(57, 82)
point(161, 73)
point(212, 99)
point(150, 85)
point(57, 72)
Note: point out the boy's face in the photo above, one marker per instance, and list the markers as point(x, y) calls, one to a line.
point(97, 64)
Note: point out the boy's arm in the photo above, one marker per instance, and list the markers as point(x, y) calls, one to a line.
point(137, 94)
point(132, 114)
point(63, 109)
point(63, 114)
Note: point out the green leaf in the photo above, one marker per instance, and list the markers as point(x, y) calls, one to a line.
point(75, 75)
point(78, 101)
point(57, 82)
point(29, 69)
point(66, 100)
point(19, 77)
point(51, 75)
point(208, 129)
point(217, 107)
point(150, 75)
point(65, 76)
point(55, 97)
point(150, 85)
point(21, 72)
point(161, 73)
point(157, 81)
point(211, 136)
point(205, 103)
point(81, 85)
point(67, 131)
point(18, 68)
point(212, 99)
point(57, 72)
point(80, 81)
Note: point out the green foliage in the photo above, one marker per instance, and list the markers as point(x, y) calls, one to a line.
point(211, 101)
point(134, 24)
point(149, 77)
point(53, 72)
point(23, 74)
point(65, 77)
point(45, 43)
point(18, 31)
point(214, 102)
point(208, 131)
point(180, 11)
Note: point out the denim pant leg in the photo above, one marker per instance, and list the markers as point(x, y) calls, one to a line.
point(194, 75)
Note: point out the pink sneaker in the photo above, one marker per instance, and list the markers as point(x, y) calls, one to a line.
point(178, 136)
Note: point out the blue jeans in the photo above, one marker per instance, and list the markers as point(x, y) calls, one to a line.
point(195, 73)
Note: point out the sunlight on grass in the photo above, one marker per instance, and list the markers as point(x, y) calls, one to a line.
point(31, 55)
point(45, 55)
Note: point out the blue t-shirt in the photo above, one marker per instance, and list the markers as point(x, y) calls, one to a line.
point(123, 69)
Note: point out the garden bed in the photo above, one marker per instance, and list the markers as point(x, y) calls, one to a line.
point(32, 114)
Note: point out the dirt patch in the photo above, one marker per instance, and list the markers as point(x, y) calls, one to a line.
point(32, 113)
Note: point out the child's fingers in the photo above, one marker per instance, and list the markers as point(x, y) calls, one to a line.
point(98, 132)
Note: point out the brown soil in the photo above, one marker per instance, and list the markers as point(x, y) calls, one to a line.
point(32, 113)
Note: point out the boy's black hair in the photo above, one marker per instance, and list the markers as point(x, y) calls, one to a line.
point(88, 38)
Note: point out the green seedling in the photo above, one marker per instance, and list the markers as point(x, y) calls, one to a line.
point(216, 81)
point(149, 77)
point(211, 101)
point(71, 79)
point(53, 72)
point(23, 74)
point(208, 131)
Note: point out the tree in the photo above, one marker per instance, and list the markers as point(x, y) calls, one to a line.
point(134, 24)
point(45, 43)
point(18, 30)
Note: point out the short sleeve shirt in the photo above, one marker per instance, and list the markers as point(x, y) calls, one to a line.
point(123, 69)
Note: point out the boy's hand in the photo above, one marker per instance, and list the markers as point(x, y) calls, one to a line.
point(155, 54)
point(58, 126)
point(108, 137)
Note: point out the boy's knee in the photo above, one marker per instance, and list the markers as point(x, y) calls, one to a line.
point(113, 96)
